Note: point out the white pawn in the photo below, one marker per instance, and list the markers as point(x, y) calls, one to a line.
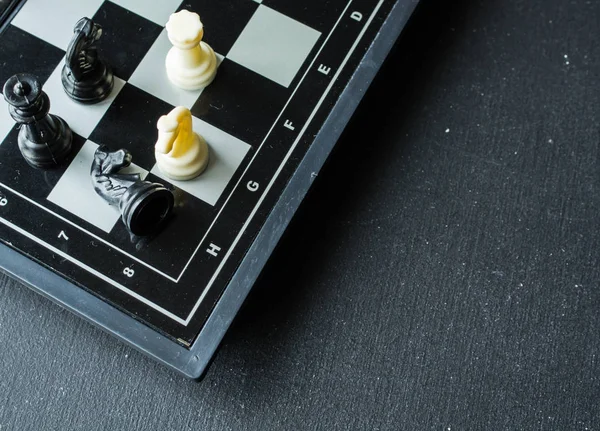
point(181, 154)
point(191, 63)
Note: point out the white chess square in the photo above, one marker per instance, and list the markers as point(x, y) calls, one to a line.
point(53, 21)
point(6, 121)
point(82, 119)
point(226, 155)
point(151, 76)
point(274, 45)
point(158, 11)
point(75, 193)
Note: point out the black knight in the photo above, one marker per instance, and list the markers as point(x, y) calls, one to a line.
point(86, 78)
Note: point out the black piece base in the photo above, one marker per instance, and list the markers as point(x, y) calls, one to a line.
point(94, 89)
point(145, 207)
point(47, 155)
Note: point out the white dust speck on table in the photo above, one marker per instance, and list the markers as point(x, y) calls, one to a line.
point(567, 60)
point(447, 130)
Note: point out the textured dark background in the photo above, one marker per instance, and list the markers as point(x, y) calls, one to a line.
point(453, 283)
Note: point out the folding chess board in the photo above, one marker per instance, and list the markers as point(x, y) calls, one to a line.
point(290, 75)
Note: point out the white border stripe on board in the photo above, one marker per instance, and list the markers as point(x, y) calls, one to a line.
point(93, 271)
point(300, 136)
point(89, 233)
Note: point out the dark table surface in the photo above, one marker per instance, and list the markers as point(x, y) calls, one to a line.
point(455, 280)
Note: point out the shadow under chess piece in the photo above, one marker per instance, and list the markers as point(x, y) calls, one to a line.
point(144, 206)
point(44, 140)
point(85, 77)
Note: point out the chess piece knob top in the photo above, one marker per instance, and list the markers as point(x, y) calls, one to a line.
point(185, 29)
point(22, 90)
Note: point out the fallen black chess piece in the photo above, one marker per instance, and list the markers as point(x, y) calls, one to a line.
point(144, 206)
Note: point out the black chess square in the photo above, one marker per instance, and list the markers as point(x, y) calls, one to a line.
point(223, 20)
point(18, 48)
point(130, 123)
point(126, 38)
point(34, 183)
point(321, 15)
point(241, 103)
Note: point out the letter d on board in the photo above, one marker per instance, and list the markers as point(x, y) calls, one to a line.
point(356, 16)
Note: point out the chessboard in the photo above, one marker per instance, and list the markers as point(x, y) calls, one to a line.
point(289, 76)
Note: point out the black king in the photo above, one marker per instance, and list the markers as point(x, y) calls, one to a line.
point(44, 139)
